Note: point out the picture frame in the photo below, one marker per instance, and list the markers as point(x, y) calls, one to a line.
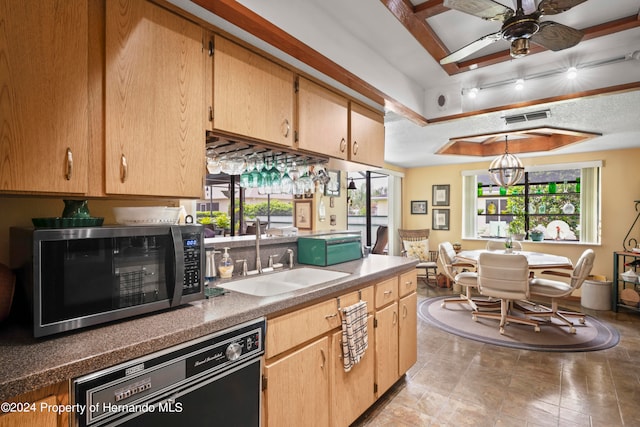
point(440, 195)
point(440, 219)
point(332, 188)
point(303, 218)
point(419, 207)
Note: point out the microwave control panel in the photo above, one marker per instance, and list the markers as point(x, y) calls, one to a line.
point(192, 263)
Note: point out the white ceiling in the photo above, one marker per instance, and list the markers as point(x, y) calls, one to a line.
point(366, 39)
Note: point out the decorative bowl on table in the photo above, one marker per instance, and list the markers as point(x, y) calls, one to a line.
point(147, 215)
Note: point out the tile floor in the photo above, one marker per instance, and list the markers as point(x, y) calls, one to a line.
point(460, 382)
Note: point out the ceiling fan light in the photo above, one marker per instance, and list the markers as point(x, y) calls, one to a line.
point(519, 48)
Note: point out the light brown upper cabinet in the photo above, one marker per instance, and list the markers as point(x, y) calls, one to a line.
point(252, 96)
point(366, 141)
point(322, 120)
point(44, 102)
point(155, 94)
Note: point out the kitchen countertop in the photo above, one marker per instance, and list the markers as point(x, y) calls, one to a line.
point(29, 364)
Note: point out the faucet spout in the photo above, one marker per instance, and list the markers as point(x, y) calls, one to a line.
point(258, 234)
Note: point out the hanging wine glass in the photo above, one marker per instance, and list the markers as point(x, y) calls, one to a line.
point(286, 183)
point(294, 172)
point(265, 188)
point(213, 161)
point(274, 175)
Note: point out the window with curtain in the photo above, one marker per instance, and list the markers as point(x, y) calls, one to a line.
point(552, 203)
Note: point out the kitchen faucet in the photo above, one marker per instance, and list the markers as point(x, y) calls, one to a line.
point(258, 262)
point(290, 253)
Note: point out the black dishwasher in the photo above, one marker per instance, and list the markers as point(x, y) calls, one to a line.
point(215, 379)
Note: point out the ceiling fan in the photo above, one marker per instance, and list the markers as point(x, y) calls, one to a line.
point(519, 27)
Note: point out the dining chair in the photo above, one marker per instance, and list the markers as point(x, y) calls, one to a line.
point(382, 238)
point(496, 245)
point(466, 279)
point(506, 277)
point(556, 289)
point(415, 244)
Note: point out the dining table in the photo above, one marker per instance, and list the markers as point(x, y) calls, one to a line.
point(536, 260)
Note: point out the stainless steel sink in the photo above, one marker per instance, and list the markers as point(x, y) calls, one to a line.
point(266, 285)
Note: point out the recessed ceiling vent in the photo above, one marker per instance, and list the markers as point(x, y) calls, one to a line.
point(527, 117)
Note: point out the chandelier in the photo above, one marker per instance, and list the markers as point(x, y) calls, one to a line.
point(506, 170)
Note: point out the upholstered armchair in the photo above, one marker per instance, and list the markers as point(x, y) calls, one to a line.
point(506, 277)
point(556, 290)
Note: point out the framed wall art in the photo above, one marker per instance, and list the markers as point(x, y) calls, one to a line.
point(440, 196)
point(418, 207)
point(440, 220)
point(303, 218)
point(332, 188)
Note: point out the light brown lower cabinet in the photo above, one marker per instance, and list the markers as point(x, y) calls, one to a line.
point(298, 387)
point(351, 392)
point(386, 337)
point(304, 381)
point(41, 411)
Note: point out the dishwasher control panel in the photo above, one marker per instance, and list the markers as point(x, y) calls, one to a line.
point(155, 378)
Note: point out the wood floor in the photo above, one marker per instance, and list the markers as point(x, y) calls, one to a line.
point(460, 382)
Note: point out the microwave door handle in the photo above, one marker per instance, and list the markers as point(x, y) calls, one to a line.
point(178, 265)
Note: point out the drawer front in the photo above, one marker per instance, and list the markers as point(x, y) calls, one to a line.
point(408, 283)
point(386, 292)
point(291, 329)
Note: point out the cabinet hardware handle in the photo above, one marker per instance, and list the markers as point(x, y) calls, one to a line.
point(323, 358)
point(210, 113)
point(409, 282)
point(210, 47)
point(343, 145)
point(355, 148)
point(69, 173)
point(404, 311)
point(124, 169)
point(395, 317)
point(329, 316)
point(286, 127)
point(388, 293)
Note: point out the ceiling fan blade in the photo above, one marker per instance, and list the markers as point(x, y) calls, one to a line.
point(553, 7)
point(554, 36)
point(471, 48)
point(485, 9)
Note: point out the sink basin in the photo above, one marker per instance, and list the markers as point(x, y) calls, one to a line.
point(266, 285)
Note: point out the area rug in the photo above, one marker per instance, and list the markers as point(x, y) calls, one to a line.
point(456, 319)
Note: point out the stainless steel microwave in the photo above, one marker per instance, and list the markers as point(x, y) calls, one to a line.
point(78, 277)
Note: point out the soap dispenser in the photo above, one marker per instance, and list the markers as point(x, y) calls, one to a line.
point(226, 265)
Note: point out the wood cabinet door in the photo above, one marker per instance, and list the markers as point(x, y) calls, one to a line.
point(297, 392)
point(408, 333)
point(33, 417)
point(322, 120)
point(386, 345)
point(44, 102)
point(252, 96)
point(351, 392)
point(366, 144)
point(155, 97)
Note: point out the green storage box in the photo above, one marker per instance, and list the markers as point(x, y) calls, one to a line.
point(329, 249)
